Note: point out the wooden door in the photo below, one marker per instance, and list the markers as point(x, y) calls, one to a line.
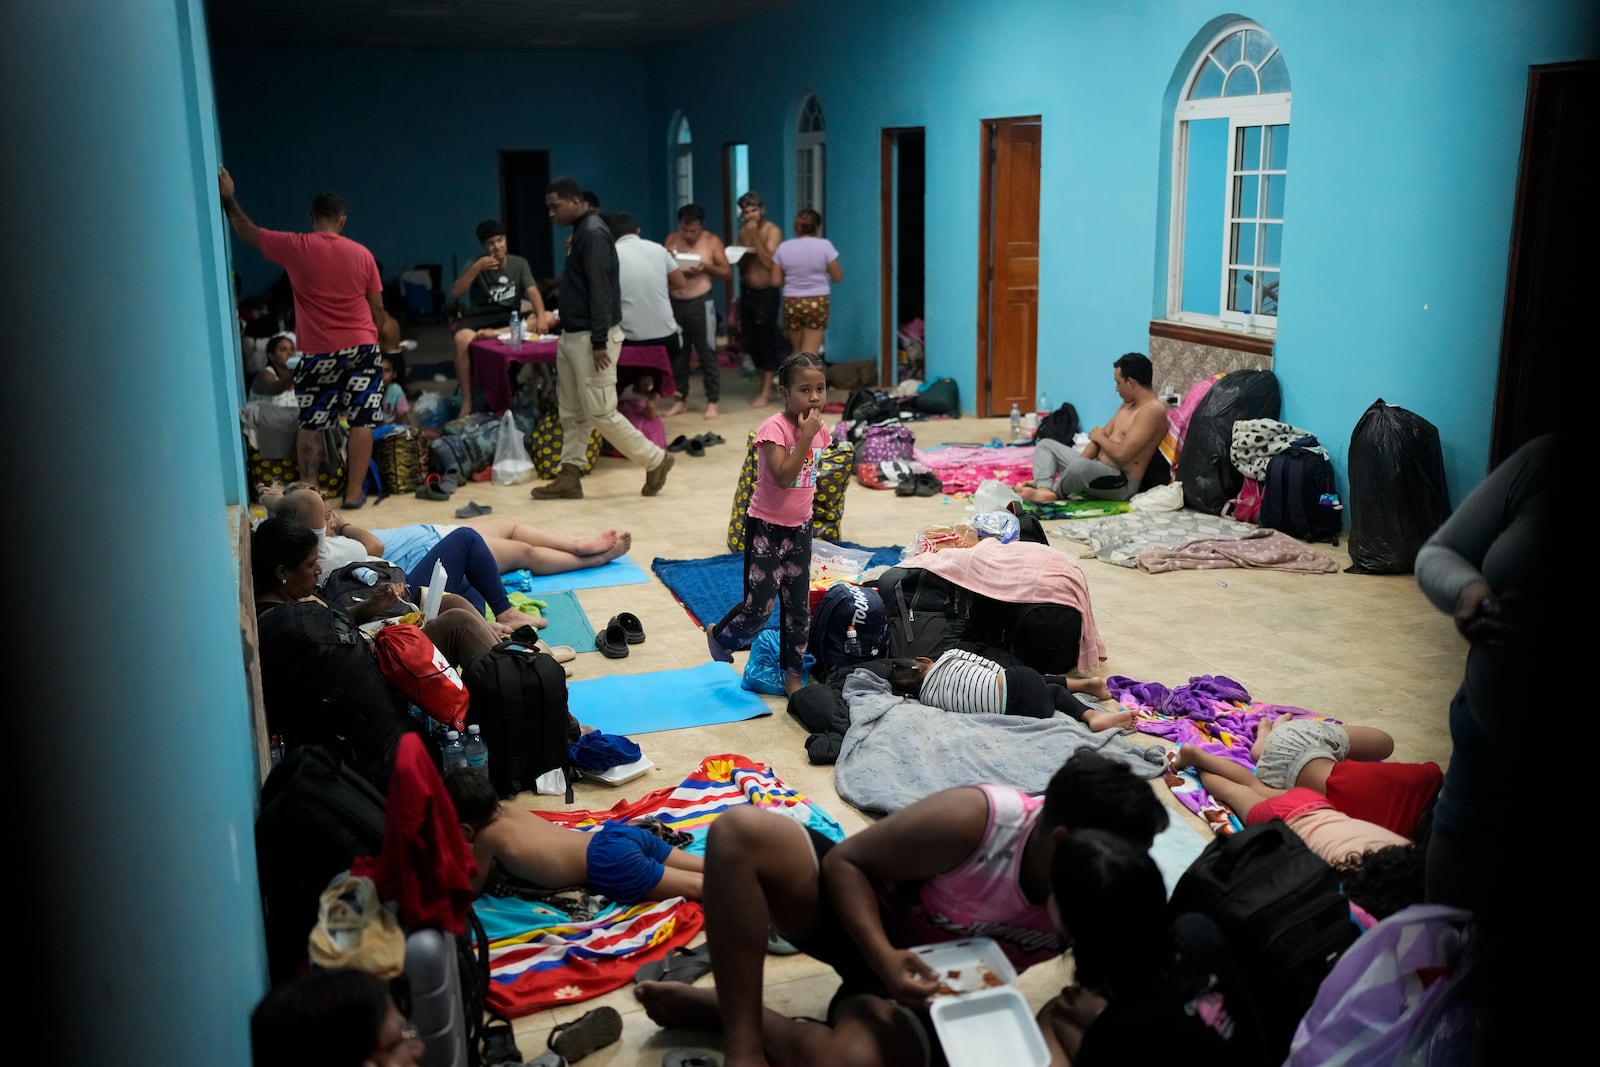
point(1008, 280)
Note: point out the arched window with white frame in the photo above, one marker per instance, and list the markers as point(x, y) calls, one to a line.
point(682, 163)
point(1230, 158)
point(810, 145)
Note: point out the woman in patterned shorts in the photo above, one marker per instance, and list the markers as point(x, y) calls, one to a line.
point(807, 266)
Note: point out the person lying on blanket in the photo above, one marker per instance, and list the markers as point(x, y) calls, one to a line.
point(1382, 871)
point(968, 684)
point(1142, 985)
point(1345, 764)
point(971, 861)
point(625, 863)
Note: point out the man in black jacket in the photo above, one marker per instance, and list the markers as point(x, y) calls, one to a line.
point(586, 356)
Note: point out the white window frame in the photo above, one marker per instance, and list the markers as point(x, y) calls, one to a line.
point(682, 163)
point(810, 159)
point(1261, 109)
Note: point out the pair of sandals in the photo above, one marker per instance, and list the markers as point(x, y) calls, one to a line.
point(695, 446)
point(925, 484)
point(433, 488)
point(623, 630)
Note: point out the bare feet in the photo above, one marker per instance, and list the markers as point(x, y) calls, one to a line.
point(1035, 495)
point(604, 541)
point(711, 411)
point(761, 401)
point(1098, 720)
point(1094, 687)
point(1179, 758)
point(679, 1006)
point(513, 618)
point(678, 408)
point(1264, 731)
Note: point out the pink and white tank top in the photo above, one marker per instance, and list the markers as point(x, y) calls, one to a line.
point(982, 897)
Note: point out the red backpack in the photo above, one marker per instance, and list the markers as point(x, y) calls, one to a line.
point(418, 671)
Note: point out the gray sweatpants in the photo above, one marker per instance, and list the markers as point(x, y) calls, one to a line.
point(1058, 467)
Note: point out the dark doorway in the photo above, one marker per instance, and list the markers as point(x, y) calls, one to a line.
point(1547, 280)
point(523, 179)
point(903, 245)
point(1008, 278)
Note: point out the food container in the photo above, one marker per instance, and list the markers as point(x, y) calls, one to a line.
point(979, 1014)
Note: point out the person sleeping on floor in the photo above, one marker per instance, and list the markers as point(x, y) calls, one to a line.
point(626, 863)
point(966, 683)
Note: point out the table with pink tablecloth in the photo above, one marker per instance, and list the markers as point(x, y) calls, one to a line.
point(490, 357)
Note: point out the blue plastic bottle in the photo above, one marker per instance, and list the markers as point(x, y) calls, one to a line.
point(477, 752)
point(455, 753)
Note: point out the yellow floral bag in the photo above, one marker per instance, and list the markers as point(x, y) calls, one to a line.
point(544, 446)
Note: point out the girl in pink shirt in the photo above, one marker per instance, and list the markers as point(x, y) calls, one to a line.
point(777, 554)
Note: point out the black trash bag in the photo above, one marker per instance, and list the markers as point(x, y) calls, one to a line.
point(1206, 469)
point(1398, 496)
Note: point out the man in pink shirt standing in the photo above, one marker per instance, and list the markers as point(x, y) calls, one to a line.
point(338, 308)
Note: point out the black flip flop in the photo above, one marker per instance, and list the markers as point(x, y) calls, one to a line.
point(589, 1032)
point(680, 965)
point(631, 626)
point(613, 641)
point(928, 485)
point(691, 1057)
point(695, 447)
point(679, 443)
point(709, 439)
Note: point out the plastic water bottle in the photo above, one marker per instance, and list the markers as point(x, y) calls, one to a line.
point(852, 643)
point(455, 753)
point(1044, 402)
point(516, 329)
point(477, 752)
point(1016, 425)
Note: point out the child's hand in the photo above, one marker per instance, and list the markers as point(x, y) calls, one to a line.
point(810, 423)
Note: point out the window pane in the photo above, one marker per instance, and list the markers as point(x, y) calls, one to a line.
point(1242, 82)
point(1230, 51)
point(1208, 86)
point(1205, 190)
point(1257, 46)
point(683, 131)
point(741, 170)
point(1247, 148)
point(1239, 290)
point(1269, 294)
point(1275, 189)
point(1275, 75)
point(1272, 244)
point(1242, 250)
point(1246, 188)
point(1278, 147)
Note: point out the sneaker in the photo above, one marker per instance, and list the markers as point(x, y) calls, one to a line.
point(566, 485)
point(655, 479)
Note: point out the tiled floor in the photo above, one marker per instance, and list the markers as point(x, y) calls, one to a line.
point(1366, 649)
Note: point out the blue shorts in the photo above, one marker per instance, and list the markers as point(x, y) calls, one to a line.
point(348, 382)
point(1462, 805)
point(625, 862)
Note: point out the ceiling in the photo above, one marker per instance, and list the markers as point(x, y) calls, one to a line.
point(473, 25)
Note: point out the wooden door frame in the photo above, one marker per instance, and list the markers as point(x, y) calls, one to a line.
point(986, 151)
point(887, 193)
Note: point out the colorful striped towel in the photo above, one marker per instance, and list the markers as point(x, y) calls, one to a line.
point(540, 957)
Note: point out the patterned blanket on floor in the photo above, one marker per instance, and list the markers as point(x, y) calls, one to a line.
point(1213, 712)
point(1120, 538)
point(541, 955)
point(1258, 549)
point(962, 468)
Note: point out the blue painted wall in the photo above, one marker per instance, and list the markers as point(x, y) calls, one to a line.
point(1407, 129)
point(131, 735)
point(411, 140)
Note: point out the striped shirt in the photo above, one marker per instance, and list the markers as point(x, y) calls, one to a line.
point(966, 684)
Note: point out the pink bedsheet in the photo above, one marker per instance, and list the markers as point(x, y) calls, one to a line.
point(962, 468)
point(1022, 572)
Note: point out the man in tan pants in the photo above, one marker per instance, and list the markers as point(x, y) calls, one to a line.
point(586, 355)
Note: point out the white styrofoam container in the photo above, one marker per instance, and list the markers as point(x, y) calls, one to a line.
point(978, 1023)
point(625, 772)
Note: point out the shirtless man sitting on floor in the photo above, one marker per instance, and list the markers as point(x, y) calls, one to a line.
point(625, 863)
point(1122, 457)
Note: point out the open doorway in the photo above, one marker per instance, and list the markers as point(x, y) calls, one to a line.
point(735, 183)
point(903, 252)
point(1008, 266)
point(524, 175)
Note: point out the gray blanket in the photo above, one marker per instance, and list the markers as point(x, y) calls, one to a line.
point(898, 750)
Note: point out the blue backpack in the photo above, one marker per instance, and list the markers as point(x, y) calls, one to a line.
point(845, 607)
point(1299, 496)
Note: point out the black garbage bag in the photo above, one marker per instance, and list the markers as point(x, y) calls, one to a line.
point(1398, 495)
point(1209, 477)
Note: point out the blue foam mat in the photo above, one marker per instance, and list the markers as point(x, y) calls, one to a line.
point(620, 571)
point(569, 623)
point(664, 700)
point(709, 587)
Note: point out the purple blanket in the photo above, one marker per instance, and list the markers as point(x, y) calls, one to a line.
point(1211, 711)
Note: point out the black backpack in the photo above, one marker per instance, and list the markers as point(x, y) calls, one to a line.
point(317, 815)
point(843, 606)
point(1283, 913)
point(1299, 497)
point(1042, 636)
point(1060, 425)
point(926, 615)
point(320, 685)
point(519, 697)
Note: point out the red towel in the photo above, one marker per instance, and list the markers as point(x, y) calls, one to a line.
point(426, 866)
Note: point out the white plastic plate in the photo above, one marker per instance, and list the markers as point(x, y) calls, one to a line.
point(625, 772)
point(990, 1026)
